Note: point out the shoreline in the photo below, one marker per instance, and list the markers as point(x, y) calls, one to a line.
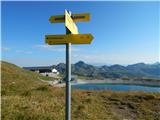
point(119, 81)
point(108, 81)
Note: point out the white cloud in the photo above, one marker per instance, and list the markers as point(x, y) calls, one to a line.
point(29, 61)
point(24, 52)
point(5, 49)
point(17, 51)
point(49, 48)
point(55, 48)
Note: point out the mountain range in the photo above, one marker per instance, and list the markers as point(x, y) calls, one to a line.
point(139, 70)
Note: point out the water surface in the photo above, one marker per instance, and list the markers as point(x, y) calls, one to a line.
point(116, 87)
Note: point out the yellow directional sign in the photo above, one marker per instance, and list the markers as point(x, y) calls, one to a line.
point(70, 24)
point(69, 38)
point(83, 17)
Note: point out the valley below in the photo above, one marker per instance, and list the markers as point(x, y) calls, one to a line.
point(25, 97)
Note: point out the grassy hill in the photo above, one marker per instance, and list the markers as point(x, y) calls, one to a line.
point(24, 97)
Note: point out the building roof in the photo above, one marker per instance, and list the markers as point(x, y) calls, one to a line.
point(39, 68)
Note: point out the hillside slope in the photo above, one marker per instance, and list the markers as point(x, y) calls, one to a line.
point(15, 79)
point(26, 98)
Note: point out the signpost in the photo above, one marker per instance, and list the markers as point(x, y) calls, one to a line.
point(71, 37)
point(83, 17)
point(70, 24)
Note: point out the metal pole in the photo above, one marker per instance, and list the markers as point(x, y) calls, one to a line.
point(68, 78)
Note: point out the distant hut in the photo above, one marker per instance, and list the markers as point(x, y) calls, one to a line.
point(44, 70)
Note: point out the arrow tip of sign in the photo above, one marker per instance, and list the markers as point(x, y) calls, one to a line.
point(92, 37)
point(50, 19)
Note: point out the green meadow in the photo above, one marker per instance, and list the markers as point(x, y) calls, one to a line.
point(25, 97)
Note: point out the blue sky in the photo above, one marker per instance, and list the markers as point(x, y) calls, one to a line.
point(124, 32)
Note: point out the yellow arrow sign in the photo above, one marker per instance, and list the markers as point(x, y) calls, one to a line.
point(83, 17)
point(70, 38)
point(70, 24)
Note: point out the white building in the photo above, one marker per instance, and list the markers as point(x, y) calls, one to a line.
point(44, 70)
